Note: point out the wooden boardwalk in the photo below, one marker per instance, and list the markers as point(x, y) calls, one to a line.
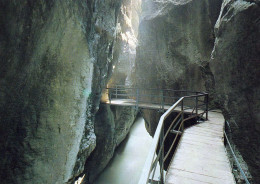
point(201, 156)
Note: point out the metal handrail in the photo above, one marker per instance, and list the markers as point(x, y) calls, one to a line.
point(153, 89)
point(147, 167)
point(144, 95)
point(159, 137)
point(235, 158)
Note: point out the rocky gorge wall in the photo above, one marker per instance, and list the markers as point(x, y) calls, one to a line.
point(206, 45)
point(175, 35)
point(112, 123)
point(130, 12)
point(174, 46)
point(235, 64)
point(56, 57)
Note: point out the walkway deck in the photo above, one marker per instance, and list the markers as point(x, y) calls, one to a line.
point(131, 102)
point(201, 156)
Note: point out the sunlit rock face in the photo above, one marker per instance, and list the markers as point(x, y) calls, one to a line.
point(112, 124)
point(56, 57)
point(236, 68)
point(175, 40)
point(129, 23)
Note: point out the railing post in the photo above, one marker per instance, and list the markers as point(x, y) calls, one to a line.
point(137, 97)
point(207, 106)
point(162, 100)
point(182, 105)
point(116, 91)
point(196, 105)
point(162, 156)
point(109, 95)
point(182, 115)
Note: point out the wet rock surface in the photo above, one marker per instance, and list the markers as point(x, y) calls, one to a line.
point(56, 57)
point(236, 69)
point(175, 44)
point(175, 38)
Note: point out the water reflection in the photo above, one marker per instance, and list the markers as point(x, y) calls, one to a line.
point(128, 161)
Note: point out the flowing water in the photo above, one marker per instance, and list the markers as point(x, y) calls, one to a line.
point(129, 158)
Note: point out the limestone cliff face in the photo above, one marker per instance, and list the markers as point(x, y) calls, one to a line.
point(129, 24)
point(56, 57)
point(175, 43)
point(175, 40)
point(236, 69)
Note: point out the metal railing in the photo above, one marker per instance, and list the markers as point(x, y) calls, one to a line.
point(160, 97)
point(176, 127)
point(234, 156)
point(188, 103)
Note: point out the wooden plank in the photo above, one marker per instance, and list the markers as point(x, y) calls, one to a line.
point(207, 166)
point(201, 146)
point(211, 172)
point(205, 135)
point(189, 176)
point(195, 154)
point(212, 162)
point(205, 141)
point(215, 133)
point(203, 130)
point(209, 125)
point(181, 180)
